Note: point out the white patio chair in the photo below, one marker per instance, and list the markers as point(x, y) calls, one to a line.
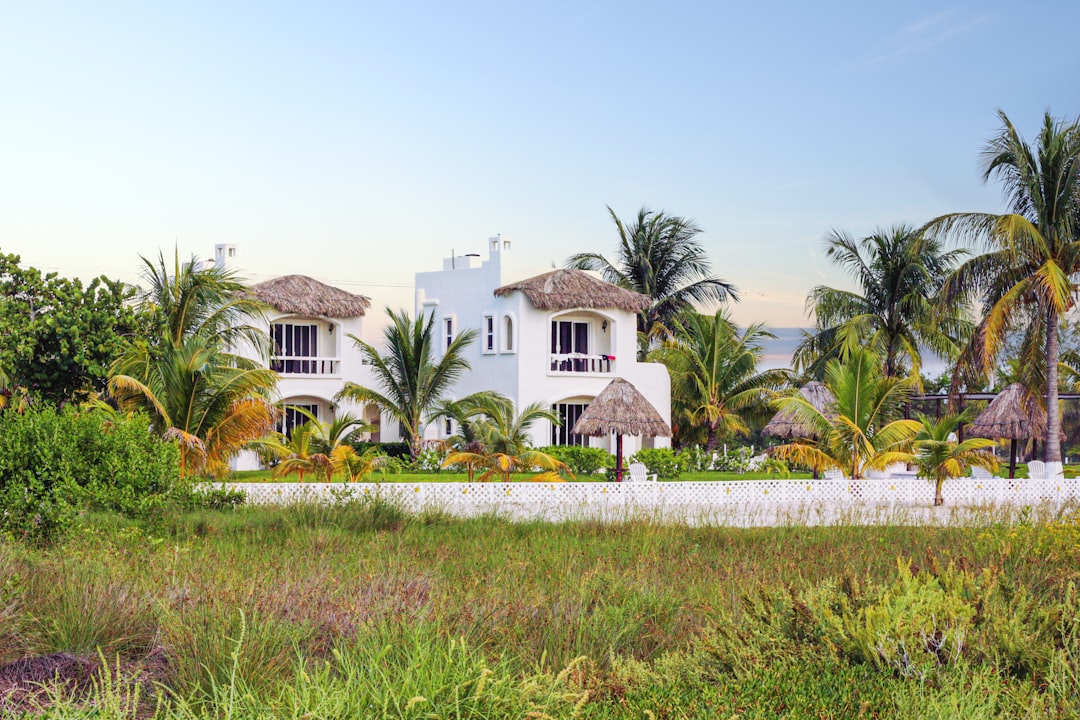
point(1037, 470)
point(980, 473)
point(640, 473)
point(833, 474)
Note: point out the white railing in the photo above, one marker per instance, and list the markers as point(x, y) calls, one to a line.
point(581, 363)
point(300, 365)
point(766, 500)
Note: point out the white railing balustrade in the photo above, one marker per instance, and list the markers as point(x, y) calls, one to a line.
point(300, 365)
point(581, 363)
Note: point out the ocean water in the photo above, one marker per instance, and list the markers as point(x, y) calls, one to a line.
point(778, 352)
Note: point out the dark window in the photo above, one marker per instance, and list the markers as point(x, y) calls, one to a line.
point(489, 333)
point(569, 337)
point(291, 418)
point(292, 342)
point(569, 413)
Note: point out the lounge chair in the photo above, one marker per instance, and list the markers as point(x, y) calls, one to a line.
point(980, 473)
point(640, 473)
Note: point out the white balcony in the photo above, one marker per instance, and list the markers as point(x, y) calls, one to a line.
point(296, 365)
point(577, 363)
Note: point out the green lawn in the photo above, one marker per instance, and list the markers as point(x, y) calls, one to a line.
point(362, 611)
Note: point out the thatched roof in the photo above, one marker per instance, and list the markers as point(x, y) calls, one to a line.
point(1013, 414)
point(784, 423)
point(301, 295)
point(621, 409)
point(568, 289)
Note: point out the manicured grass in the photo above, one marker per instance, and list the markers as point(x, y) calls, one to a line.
point(363, 611)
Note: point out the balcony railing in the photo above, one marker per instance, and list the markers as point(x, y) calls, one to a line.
point(296, 365)
point(580, 363)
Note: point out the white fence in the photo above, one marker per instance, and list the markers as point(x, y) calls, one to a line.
point(741, 502)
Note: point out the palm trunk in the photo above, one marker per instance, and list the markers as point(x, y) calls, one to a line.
point(1053, 413)
point(938, 499)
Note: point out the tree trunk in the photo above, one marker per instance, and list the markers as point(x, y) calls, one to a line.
point(938, 499)
point(1053, 413)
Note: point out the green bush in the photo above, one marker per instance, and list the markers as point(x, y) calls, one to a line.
point(581, 460)
point(52, 463)
point(390, 449)
point(662, 461)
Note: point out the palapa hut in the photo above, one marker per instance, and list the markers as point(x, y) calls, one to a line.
point(785, 424)
point(1013, 414)
point(621, 409)
point(566, 289)
point(302, 295)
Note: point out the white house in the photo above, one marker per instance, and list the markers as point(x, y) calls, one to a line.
point(309, 325)
point(558, 338)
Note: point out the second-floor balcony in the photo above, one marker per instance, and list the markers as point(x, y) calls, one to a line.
point(582, 363)
point(305, 365)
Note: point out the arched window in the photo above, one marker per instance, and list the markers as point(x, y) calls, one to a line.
point(508, 333)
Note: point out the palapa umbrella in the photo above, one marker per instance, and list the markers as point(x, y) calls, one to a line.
point(785, 424)
point(1013, 414)
point(621, 409)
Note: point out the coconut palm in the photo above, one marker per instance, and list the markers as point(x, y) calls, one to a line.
point(939, 457)
point(504, 431)
point(187, 375)
point(860, 429)
point(1024, 279)
point(298, 455)
point(411, 381)
point(503, 465)
point(716, 387)
point(355, 466)
point(899, 271)
point(659, 256)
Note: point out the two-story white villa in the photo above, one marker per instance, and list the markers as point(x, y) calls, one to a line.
point(309, 325)
point(558, 338)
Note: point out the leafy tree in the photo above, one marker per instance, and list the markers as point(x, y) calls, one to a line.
point(411, 381)
point(899, 271)
point(940, 457)
point(659, 255)
point(716, 386)
point(61, 336)
point(503, 430)
point(298, 455)
point(1024, 279)
point(186, 375)
point(503, 465)
point(860, 431)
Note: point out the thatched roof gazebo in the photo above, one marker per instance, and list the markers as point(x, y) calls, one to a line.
point(567, 289)
point(785, 424)
point(1013, 414)
point(302, 295)
point(621, 409)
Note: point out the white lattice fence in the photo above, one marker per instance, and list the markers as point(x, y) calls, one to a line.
point(554, 500)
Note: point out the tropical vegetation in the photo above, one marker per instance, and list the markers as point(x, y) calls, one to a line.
point(186, 375)
point(940, 456)
point(716, 386)
point(862, 430)
point(899, 271)
point(659, 255)
point(412, 379)
point(1024, 279)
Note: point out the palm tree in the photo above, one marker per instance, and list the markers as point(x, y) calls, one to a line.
point(939, 457)
point(659, 256)
point(503, 465)
point(859, 430)
point(411, 381)
point(1024, 279)
point(899, 271)
point(504, 431)
point(298, 455)
point(195, 395)
point(715, 383)
point(187, 376)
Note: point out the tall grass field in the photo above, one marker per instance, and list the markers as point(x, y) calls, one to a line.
point(362, 611)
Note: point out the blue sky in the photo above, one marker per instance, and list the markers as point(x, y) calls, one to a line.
point(361, 142)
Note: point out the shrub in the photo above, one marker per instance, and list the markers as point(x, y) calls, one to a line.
point(581, 460)
point(662, 461)
point(53, 462)
point(390, 449)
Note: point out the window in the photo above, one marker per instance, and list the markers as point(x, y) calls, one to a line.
point(568, 337)
point(448, 331)
point(569, 414)
point(292, 342)
point(489, 333)
point(232, 252)
point(508, 334)
point(292, 418)
point(448, 426)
